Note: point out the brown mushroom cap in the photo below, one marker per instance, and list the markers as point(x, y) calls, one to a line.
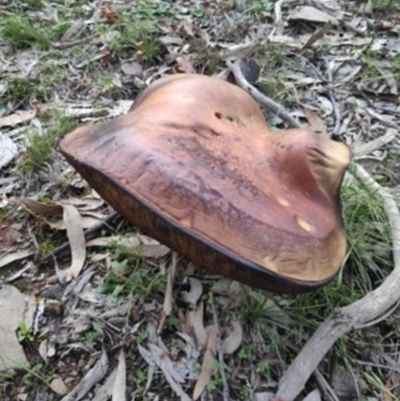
point(195, 165)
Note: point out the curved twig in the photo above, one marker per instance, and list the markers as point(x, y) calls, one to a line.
point(268, 103)
point(359, 313)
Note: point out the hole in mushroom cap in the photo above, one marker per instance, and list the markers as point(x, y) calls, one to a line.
point(305, 225)
point(231, 119)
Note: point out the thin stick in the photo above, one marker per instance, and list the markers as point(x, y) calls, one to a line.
point(359, 313)
point(259, 97)
point(87, 233)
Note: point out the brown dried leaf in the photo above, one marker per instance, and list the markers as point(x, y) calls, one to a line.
point(208, 362)
point(109, 13)
point(17, 118)
point(35, 207)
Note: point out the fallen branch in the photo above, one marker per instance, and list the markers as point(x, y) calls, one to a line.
point(370, 309)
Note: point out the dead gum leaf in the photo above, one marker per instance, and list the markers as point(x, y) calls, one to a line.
point(231, 343)
point(119, 387)
point(76, 237)
point(35, 207)
point(17, 118)
point(196, 289)
point(13, 257)
point(198, 326)
point(208, 362)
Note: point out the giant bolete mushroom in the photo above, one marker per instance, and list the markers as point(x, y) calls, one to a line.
point(195, 166)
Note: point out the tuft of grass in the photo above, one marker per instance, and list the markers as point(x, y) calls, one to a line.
point(19, 90)
point(368, 234)
point(132, 33)
point(384, 6)
point(41, 147)
point(131, 277)
point(21, 33)
point(32, 3)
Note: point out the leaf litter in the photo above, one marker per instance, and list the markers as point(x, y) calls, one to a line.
point(334, 66)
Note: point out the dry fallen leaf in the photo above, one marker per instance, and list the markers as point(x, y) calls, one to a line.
point(86, 221)
point(195, 320)
point(40, 208)
point(168, 299)
point(104, 392)
point(17, 118)
point(8, 150)
point(172, 377)
point(312, 14)
point(132, 69)
point(58, 386)
point(196, 289)
point(231, 343)
point(92, 377)
point(208, 363)
point(361, 149)
point(76, 237)
point(119, 387)
point(13, 257)
point(227, 292)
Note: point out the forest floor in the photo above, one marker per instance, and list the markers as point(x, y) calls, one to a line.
point(335, 65)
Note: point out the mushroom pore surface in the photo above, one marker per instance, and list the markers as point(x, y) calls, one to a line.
point(194, 165)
